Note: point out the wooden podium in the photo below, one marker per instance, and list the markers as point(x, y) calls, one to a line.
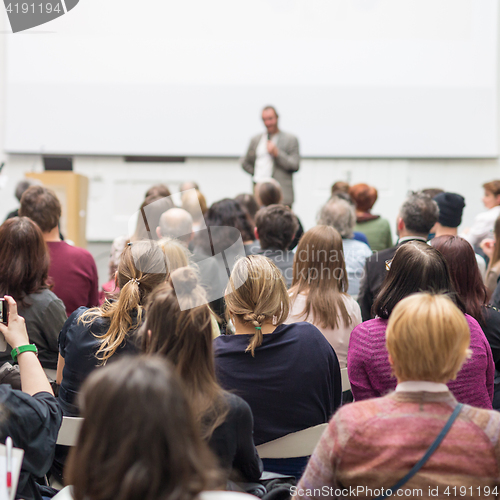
point(72, 191)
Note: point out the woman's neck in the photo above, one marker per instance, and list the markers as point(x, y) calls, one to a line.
point(242, 328)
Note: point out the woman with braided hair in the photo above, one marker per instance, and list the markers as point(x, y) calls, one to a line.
point(288, 374)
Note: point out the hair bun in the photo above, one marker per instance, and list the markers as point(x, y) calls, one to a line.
point(184, 280)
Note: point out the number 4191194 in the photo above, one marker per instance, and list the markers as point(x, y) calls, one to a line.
point(33, 8)
point(456, 491)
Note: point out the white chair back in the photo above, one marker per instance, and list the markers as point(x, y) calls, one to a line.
point(346, 385)
point(68, 433)
point(51, 374)
point(296, 444)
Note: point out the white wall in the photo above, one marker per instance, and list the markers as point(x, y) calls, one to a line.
point(117, 188)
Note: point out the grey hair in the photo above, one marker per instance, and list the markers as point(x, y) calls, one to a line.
point(23, 185)
point(339, 214)
point(176, 223)
point(419, 213)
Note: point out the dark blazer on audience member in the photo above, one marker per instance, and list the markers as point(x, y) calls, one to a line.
point(373, 277)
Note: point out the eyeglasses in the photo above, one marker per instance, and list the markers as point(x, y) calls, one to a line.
point(388, 264)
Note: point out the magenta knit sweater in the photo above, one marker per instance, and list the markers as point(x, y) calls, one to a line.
point(370, 372)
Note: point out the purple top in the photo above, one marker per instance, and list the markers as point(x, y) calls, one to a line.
point(370, 372)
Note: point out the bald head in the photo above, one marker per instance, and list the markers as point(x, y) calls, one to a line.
point(176, 223)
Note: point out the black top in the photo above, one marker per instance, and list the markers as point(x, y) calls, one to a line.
point(78, 346)
point(233, 443)
point(491, 329)
point(373, 277)
point(44, 314)
point(33, 423)
point(292, 383)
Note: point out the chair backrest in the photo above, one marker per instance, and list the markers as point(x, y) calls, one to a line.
point(51, 374)
point(68, 433)
point(346, 385)
point(296, 444)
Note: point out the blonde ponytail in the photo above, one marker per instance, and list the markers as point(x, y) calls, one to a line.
point(142, 267)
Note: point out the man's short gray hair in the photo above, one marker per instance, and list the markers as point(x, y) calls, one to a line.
point(339, 214)
point(176, 223)
point(419, 213)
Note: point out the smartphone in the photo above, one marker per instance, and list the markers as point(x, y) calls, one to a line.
point(4, 312)
point(4, 318)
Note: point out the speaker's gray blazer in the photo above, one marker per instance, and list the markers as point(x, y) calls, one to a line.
point(285, 164)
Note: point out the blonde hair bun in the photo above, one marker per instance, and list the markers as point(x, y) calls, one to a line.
point(185, 280)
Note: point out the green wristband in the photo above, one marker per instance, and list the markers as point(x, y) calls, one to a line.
point(23, 348)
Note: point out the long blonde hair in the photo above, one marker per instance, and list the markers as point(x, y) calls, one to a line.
point(256, 294)
point(319, 272)
point(142, 267)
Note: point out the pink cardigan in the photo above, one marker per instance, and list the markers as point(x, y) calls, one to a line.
point(370, 373)
point(374, 443)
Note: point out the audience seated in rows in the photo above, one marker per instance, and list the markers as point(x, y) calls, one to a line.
point(416, 266)
point(24, 276)
point(417, 216)
point(275, 227)
point(376, 229)
point(72, 271)
point(178, 326)
point(288, 374)
point(341, 215)
point(319, 289)
point(283, 364)
point(373, 444)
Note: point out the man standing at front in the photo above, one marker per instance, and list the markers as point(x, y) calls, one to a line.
point(273, 154)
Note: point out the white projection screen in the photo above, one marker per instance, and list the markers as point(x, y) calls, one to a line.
point(351, 78)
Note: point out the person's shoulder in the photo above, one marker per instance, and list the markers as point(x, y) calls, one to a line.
point(359, 415)
point(78, 252)
point(256, 138)
point(381, 257)
point(236, 404)
point(474, 326)
point(350, 303)
point(82, 322)
point(45, 297)
point(368, 329)
point(357, 246)
point(304, 332)
point(486, 420)
point(288, 136)
point(18, 402)
point(226, 342)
